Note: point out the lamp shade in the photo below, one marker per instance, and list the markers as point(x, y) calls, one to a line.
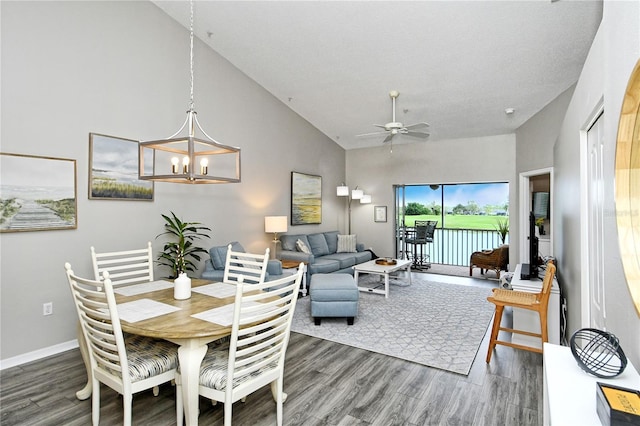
point(366, 199)
point(357, 194)
point(342, 191)
point(275, 224)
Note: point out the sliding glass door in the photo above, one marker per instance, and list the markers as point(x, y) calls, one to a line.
point(469, 218)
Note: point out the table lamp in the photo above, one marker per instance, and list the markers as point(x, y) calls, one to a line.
point(275, 224)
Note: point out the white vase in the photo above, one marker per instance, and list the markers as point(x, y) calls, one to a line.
point(182, 287)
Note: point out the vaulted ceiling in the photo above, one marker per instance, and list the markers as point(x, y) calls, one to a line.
point(458, 65)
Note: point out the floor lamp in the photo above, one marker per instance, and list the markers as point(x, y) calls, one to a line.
point(356, 194)
point(275, 225)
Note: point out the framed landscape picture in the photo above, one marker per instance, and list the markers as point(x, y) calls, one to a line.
point(37, 193)
point(113, 169)
point(306, 199)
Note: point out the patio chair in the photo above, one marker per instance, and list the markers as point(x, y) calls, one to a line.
point(496, 260)
point(424, 231)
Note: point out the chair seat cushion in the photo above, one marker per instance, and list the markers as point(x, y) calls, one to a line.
point(149, 357)
point(214, 368)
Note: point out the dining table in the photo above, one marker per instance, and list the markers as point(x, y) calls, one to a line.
point(189, 323)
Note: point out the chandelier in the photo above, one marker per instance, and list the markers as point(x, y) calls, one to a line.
point(189, 159)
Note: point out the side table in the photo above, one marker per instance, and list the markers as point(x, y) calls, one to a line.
point(569, 393)
point(292, 267)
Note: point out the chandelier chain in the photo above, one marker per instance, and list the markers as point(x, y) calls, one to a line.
point(191, 103)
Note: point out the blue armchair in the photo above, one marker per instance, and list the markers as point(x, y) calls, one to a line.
point(214, 266)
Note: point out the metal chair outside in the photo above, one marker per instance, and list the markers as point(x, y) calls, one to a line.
point(423, 234)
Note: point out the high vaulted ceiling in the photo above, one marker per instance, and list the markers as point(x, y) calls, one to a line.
point(457, 64)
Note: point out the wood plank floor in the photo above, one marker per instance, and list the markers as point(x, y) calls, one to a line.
point(327, 384)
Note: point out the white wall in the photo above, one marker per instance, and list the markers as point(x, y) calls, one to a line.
point(534, 150)
point(376, 170)
point(122, 69)
point(611, 59)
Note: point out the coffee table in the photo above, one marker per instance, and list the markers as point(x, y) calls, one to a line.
point(371, 267)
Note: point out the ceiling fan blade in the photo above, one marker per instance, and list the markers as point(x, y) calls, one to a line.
point(371, 134)
point(416, 126)
point(388, 138)
point(417, 134)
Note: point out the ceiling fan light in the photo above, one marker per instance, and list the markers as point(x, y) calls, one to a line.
point(394, 127)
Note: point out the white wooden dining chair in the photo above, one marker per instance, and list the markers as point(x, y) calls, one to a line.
point(252, 267)
point(127, 267)
point(254, 355)
point(124, 267)
point(127, 365)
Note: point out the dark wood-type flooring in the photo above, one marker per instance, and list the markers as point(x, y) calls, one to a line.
point(327, 383)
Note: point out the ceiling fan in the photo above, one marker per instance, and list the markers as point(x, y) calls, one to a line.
point(395, 128)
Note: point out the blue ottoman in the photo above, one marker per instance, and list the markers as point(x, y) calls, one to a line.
point(333, 295)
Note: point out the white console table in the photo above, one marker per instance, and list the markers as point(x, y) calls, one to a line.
point(529, 320)
point(570, 392)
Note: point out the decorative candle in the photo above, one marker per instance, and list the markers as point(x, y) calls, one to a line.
point(204, 163)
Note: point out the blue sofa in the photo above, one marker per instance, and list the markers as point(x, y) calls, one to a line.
point(214, 267)
point(324, 257)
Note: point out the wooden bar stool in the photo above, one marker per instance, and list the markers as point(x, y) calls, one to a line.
point(537, 302)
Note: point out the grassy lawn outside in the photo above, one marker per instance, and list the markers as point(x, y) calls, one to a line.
point(459, 221)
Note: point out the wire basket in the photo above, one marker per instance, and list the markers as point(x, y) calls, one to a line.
point(598, 352)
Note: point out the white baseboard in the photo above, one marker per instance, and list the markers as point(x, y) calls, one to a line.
point(39, 354)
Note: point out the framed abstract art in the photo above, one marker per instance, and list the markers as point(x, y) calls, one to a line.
point(306, 199)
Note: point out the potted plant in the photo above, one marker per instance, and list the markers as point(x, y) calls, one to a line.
point(180, 253)
point(503, 228)
point(540, 225)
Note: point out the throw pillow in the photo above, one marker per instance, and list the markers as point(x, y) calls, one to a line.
point(346, 244)
point(301, 246)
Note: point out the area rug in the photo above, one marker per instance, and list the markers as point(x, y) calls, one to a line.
point(431, 323)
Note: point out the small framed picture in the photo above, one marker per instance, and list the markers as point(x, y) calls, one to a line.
point(380, 214)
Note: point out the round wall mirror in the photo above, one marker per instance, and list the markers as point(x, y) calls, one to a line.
point(628, 185)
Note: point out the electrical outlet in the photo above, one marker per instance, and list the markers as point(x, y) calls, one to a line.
point(47, 308)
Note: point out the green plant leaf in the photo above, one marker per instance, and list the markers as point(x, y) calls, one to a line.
point(178, 254)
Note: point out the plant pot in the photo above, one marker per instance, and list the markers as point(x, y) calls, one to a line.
point(182, 287)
